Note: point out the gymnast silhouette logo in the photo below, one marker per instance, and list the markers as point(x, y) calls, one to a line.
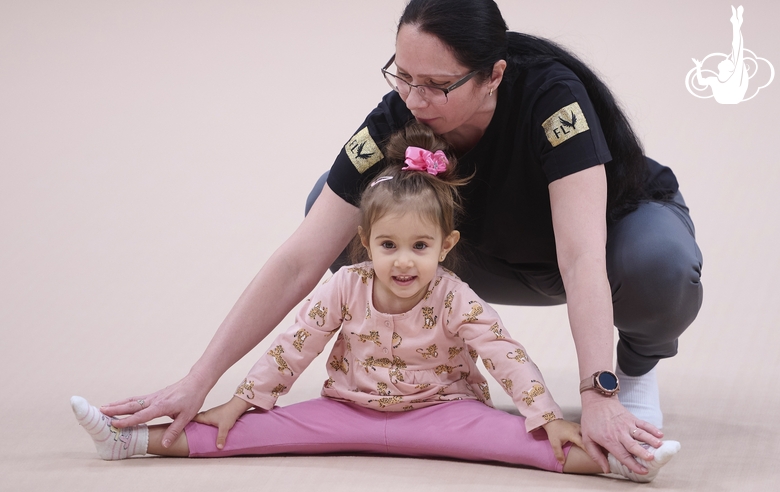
point(735, 70)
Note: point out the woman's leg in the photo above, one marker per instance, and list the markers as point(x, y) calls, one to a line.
point(654, 267)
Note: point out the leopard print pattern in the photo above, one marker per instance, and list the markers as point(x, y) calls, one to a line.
point(549, 417)
point(485, 391)
point(365, 274)
point(507, 384)
point(430, 319)
point(518, 355)
point(278, 389)
point(373, 336)
point(536, 390)
point(453, 352)
point(428, 294)
point(246, 386)
point(441, 369)
point(318, 312)
point(498, 332)
point(489, 364)
point(372, 363)
point(340, 364)
point(473, 354)
point(276, 353)
point(448, 302)
point(476, 310)
point(386, 402)
point(300, 337)
point(345, 315)
point(381, 389)
point(397, 340)
point(395, 371)
point(430, 352)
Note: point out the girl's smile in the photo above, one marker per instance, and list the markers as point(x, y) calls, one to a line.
point(406, 249)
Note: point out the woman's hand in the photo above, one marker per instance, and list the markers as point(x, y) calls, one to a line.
point(180, 401)
point(607, 424)
point(223, 417)
point(559, 432)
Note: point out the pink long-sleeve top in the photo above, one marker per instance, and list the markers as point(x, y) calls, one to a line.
point(399, 362)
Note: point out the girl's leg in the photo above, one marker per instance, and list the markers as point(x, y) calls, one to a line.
point(578, 461)
point(180, 448)
point(111, 443)
point(311, 427)
point(469, 430)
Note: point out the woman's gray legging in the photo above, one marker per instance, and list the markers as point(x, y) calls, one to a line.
point(654, 269)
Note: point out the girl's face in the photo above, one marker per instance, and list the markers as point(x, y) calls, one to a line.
point(421, 58)
point(406, 250)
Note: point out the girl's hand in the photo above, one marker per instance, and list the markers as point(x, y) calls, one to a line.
point(223, 417)
point(559, 432)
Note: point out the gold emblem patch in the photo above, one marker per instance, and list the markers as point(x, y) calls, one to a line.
point(564, 124)
point(363, 151)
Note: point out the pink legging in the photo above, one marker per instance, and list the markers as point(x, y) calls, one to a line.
point(465, 429)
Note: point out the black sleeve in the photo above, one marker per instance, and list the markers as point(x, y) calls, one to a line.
point(566, 129)
point(361, 157)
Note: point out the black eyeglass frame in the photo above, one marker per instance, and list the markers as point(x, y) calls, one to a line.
point(445, 90)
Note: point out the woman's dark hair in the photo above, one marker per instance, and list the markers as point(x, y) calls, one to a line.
point(396, 190)
point(477, 34)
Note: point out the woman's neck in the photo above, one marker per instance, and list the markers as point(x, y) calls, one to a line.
point(466, 136)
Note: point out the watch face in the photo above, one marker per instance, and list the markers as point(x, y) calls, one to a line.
point(608, 381)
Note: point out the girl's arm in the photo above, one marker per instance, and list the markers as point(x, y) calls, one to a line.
point(578, 203)
point(291, 273)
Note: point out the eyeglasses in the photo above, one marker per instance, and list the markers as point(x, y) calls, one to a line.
point(434, 95)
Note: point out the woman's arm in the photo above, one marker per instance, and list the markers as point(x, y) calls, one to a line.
point(578, 203)
point(291, 273)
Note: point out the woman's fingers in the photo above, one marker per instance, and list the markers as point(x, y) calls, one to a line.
point(596, 454)
point(128, 406)
point(174, 430)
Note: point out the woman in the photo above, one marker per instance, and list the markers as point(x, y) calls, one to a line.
point(558, 179)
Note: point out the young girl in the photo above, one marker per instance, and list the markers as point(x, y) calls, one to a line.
point(403, 377)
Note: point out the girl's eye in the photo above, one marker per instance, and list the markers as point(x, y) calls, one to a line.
point(388, 245)
point(420, 245)
point(404, 76)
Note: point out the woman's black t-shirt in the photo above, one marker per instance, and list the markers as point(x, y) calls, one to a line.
point(544, 128)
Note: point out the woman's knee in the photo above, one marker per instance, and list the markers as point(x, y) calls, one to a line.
point(655, 273)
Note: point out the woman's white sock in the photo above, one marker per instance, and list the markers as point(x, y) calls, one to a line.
point(639, 394)
point(111, 443)
point(661, 455)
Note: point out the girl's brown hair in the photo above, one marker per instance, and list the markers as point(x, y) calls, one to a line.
point(434, 197)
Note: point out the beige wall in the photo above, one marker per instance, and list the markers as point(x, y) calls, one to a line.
point(153, 154)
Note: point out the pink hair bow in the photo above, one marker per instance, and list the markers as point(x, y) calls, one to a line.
point(418, 159)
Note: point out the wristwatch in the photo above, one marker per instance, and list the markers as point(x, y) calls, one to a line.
point(605, 382)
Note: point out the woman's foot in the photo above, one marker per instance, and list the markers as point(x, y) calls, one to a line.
point(111, 443)
point(661, 456)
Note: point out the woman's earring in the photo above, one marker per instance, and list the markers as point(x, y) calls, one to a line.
point(491, 92)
